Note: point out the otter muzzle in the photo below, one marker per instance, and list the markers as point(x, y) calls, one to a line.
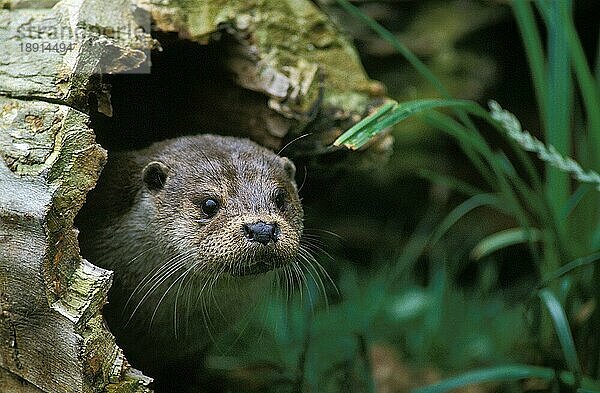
point(261, 232)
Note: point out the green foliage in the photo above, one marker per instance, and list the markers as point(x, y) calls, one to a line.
point(502, 239)
point(544, 208)
point(562, 329)
point(310, 347)
point(501, 373)
point(412, 303)
point(387, 115)
point(548, 154)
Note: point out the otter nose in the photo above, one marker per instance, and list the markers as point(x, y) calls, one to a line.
point(261, 232)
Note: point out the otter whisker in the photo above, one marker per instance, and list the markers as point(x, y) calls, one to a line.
point(145, 251)
point(182, 275)
point(151, 277)
point(284, 282)
point(314, 238)
point(316, 248)
point(168, 273)
point(174, 270)
point(308, 258)
point(325, 231)
point(295, 281)
point(204, 311)
point(208, 279)
point(157, 270)
point(314, 262)
point(201, 300)
point(276, 284)
point(175, 318)
point(317, 280)
point(303, 282)
point(316, 243)
point(172, 266)
point(303, 179)
point(190, 296)
point(205, 295)
point(290, 282)
point(187, 293)
point(292, 141)
point(206, 319)
point(218, 274)
point(244, 323)
point(211, 291)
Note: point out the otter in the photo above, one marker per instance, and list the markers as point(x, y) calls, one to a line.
point(196, 229)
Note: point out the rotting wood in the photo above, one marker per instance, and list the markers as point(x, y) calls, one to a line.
point(52, 338)
point(291, 52)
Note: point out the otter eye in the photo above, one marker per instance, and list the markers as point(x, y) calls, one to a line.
point(280, 199)
point(209, 207)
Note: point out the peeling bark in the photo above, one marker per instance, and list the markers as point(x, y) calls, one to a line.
point(290, 52)
point(52, 338)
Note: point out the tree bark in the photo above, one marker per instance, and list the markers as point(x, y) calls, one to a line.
point(52, 338)
point(291, 53)
point(52, 335)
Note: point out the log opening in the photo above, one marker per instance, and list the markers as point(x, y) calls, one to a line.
point(189, 91)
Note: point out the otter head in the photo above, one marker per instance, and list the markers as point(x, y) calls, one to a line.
point(223, 206)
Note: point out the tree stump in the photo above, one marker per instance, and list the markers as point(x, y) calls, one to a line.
point(284, 70)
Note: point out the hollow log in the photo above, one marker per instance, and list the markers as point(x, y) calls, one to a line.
point(287, 71)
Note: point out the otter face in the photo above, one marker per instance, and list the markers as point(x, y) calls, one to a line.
point(232, 207)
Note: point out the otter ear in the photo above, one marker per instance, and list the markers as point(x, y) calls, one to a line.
point(155, 175)
point(289, 167)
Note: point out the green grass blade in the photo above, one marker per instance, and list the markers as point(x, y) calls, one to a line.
point(590, 90)
point(532, 200)
point(596, 238)
point(503, 239)
point(493, 374)
point(401, 48)
point(563, 331)
point(414, 248)
point(461, 210)
point(407, 109)
point(534, 50)
point(569, 267)
point(365, 123)
point(473, 144)
point(492, 117)
point(547, 154)
point(597, 66)
point(590, 93)
point(388, 115)
point(408, 55)
point(558, 100)
point(450, 182)
point(574, 200)
point(584, 382)
point(432, 316)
